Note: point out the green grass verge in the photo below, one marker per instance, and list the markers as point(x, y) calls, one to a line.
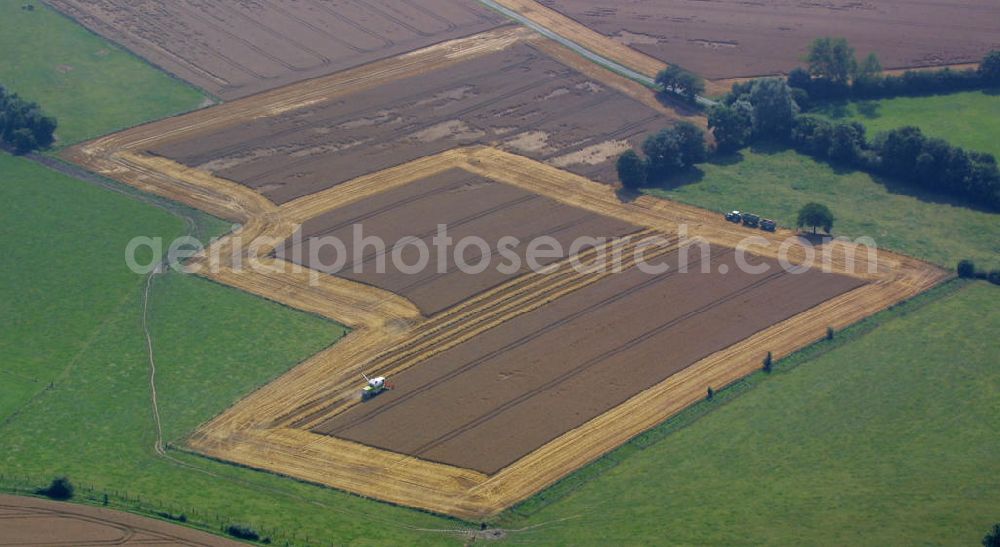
point(90, 85)
point(74, 376)
point(887, 436)
point(776, 183)
point(970, 119)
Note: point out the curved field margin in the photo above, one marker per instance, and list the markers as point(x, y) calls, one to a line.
point(274, 428)
point(33, 521)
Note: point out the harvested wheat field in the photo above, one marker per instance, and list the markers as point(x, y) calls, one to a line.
point(469, 206)
point(31, 521)
point(608, 354)
point(496, 134)
point(519, 97)
point(234, 48)
point(488, 402)
point(732, 38)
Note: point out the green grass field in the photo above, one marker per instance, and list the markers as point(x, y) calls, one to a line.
point(776, 183)
point(57, 292)
point(90, 85)
point(888, 438)
point(970, 120)
point(72, 319)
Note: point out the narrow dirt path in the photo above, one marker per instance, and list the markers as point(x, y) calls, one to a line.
point(158, 445)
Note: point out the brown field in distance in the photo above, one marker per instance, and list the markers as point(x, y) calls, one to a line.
point(234, 49)
point(732, 38)
point(32, 521)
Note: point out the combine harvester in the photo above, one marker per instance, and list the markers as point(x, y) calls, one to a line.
point(375, 386)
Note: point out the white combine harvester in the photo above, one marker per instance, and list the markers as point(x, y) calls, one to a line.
point(375, 386)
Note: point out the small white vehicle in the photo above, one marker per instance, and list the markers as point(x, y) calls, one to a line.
point(375, 386)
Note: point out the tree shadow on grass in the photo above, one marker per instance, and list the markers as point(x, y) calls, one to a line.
point(892, 185)
point(691, 175)
point(680, 105)
point(837, 110)
point(897, 187)
point(868, 109)
point(725, 160)
point(769, 148)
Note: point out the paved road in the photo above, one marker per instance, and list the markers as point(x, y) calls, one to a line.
point(599, 59)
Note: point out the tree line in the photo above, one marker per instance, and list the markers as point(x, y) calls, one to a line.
point(23, 125)
point(766, 110)
point(835, 72)
point(770, 110)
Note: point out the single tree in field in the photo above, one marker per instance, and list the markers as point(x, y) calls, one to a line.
point(59, 489)
point(832, 59)
point(966, 268)
point(815, 215)
point(687, 84)
point(631, 170)
point(992, 539)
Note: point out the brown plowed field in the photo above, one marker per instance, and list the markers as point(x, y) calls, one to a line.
point(486, 403)
point(733, 38)
point(235, 48)
point(521, 98)
point(470, 206)
point(31, 521)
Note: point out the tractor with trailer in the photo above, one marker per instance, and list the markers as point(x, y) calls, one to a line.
point(751, 220)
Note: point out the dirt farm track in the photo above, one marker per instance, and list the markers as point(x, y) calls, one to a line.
point(32, 521)
point(554, 343)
